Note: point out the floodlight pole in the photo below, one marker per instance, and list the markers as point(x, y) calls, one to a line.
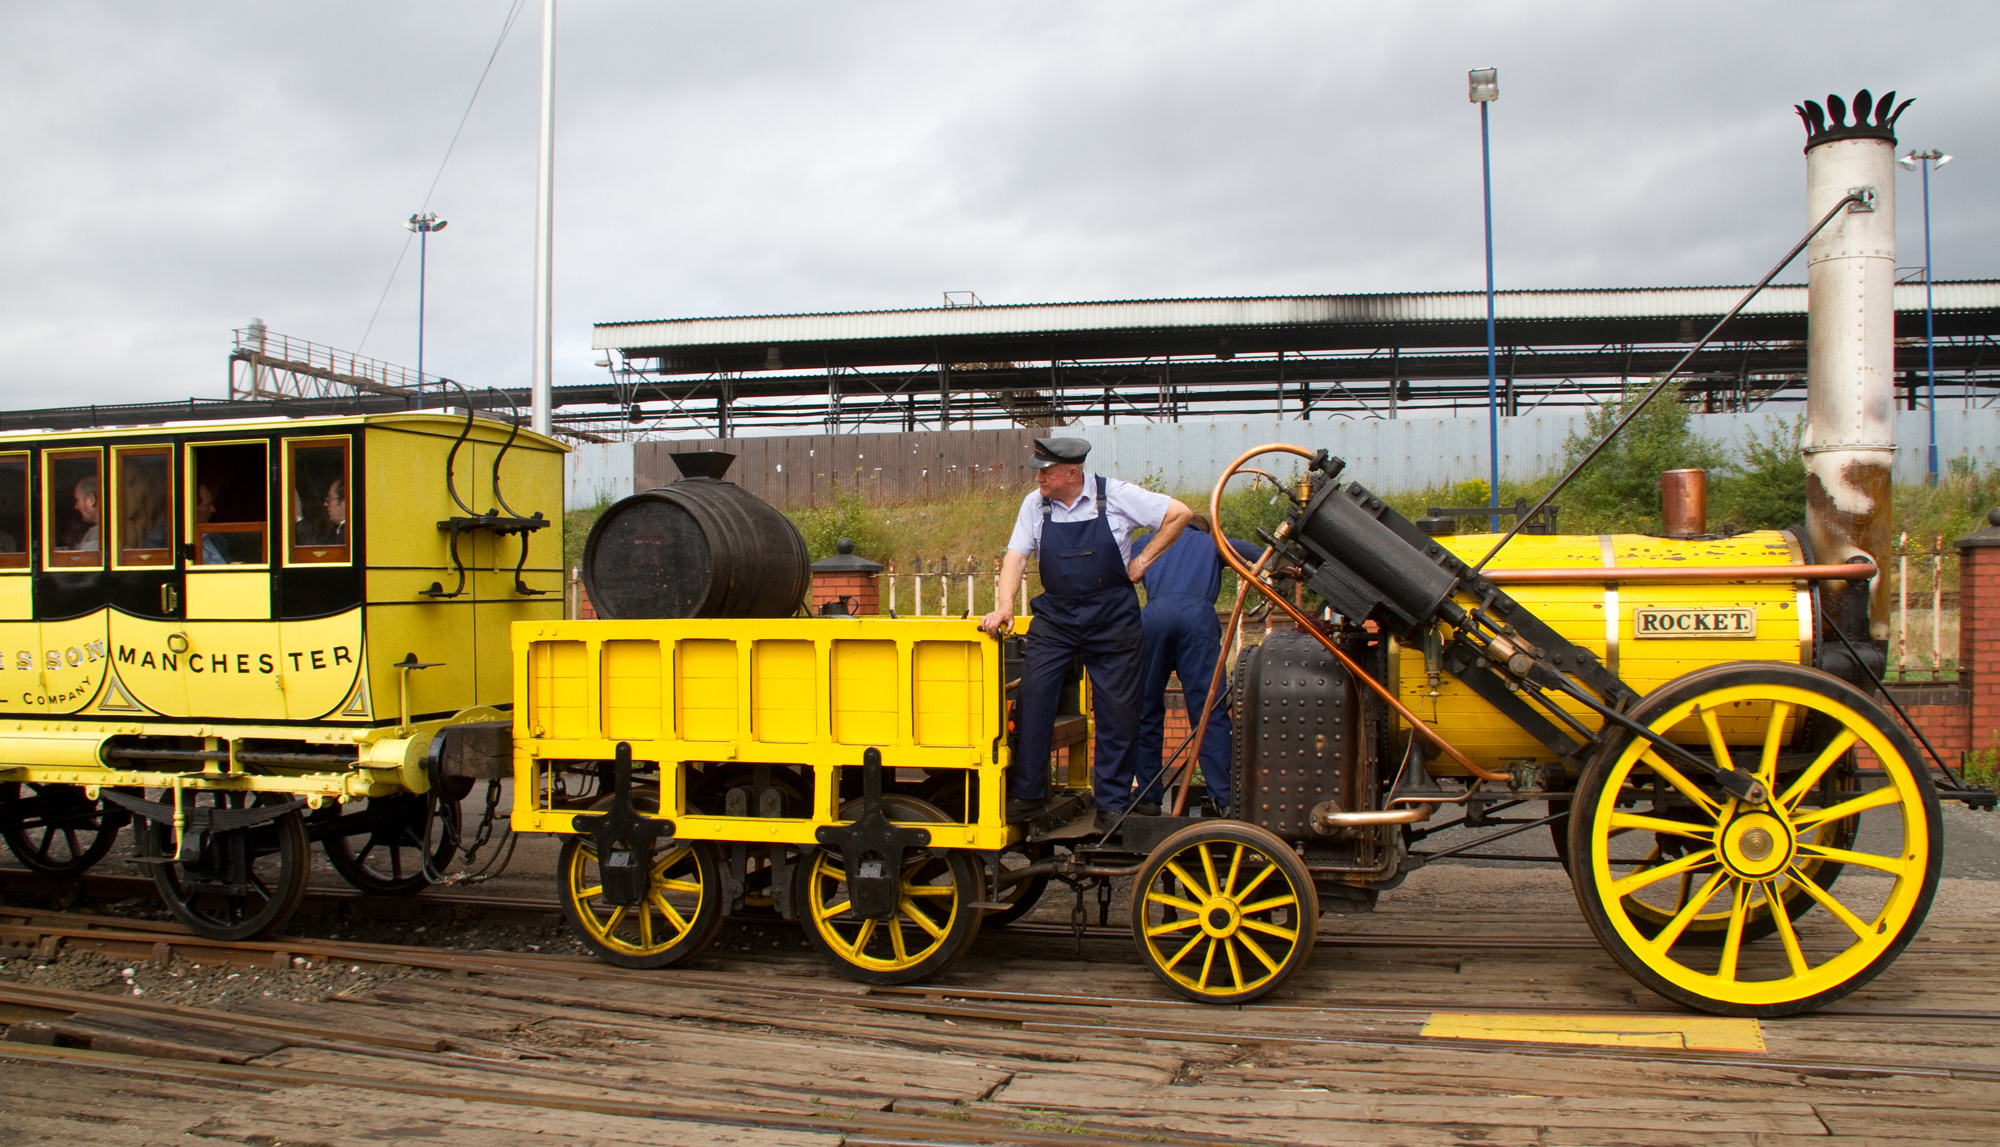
point(423, 224)
point(545, 227)
point(1484, 88)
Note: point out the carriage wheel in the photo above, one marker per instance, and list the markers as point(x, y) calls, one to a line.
point(54, 829)
point(1657, 849)
point(243, 884)
point(402, 844)
point(934, 922)
point(1019, 898)
point(1224, 913)
point(682, 912)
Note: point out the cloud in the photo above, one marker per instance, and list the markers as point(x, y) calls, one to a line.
point(175, 169)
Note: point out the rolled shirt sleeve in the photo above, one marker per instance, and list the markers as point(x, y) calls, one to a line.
point(1131, 508)
point(1027, 525)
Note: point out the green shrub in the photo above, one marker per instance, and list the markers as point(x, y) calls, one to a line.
point(1619, 492)
point(1767, 490)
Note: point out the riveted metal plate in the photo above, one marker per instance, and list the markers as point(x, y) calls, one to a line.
point(1298, 733)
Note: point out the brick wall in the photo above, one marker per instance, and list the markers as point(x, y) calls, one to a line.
point(860, 586)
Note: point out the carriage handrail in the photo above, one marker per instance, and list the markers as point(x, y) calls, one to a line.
point(1851, 571)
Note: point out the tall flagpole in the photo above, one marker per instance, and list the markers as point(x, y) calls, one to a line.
point(545, 229)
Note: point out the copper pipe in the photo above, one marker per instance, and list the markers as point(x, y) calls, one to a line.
point(1305, 620)
point(1221, 659)
point(1851, 571)
point(1327, 822)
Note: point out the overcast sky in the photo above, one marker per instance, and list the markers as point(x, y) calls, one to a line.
point(173, 169)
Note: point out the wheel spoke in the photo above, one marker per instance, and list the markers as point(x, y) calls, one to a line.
point(676, 884)
point(1794, 954)
point(616, 918)
point(1681, 784)
point(1188, 882)
point(1825, 900)
point(1169, 901)
point(1884, 796)
point(1208, 869)
point(645, 928)
point(1184, 949)
point(862, 935)
point(1718, 747)
point(1228, 885)
point(1774, 733)
point(929, 890)
point(1891, 864)
point(590, 893)
point(1732, 944)
point(1270, 965)
point(1257, 882)
point(1834, 751)
point(1266, 905)
point(911, 909)
point(69, 834)
point(1271, 930)
point(1671, 934)
point(1235, 965)
point(672, 914)
point(667, 860)
point(1630, 820)
point(1180, 925)
point(896, 941)
point(1679, 866)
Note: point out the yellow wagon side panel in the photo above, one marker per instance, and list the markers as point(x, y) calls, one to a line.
point(705, 672)
point(865, 696)
point(949, 703)
point(559, 685)
point(785, 691)
point(631, 691)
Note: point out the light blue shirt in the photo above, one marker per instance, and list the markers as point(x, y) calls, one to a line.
point(1129, 508)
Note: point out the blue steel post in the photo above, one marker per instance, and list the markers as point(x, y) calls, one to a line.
point(423, 250)
point(1492, 404)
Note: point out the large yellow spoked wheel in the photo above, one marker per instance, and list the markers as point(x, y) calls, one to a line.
point(1224, 913)
point(1677, 878)
point(934, 921)
point(681, 913)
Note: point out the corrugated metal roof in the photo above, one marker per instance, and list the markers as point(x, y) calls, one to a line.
point(1297, 310)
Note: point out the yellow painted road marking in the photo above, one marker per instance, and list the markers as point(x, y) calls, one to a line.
point(1705, 1033)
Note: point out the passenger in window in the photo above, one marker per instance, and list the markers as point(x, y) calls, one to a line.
point(222, 549)
point(85, 497)
point(143, 506)
point(323, 520)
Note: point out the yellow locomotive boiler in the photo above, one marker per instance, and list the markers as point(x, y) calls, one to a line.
point(244, 637)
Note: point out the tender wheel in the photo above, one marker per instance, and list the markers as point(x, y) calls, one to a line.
point(54, 829)
point(243, 884)
point(1019, 898)
point(392, 846)
point(934, 922)
point(1223, 913)
point(682, 912)
point(1677, 879)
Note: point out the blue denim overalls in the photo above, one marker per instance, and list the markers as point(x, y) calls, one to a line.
point(1087, 606)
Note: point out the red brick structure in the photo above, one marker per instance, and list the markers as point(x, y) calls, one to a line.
point(846, 583)
point(1974, 722)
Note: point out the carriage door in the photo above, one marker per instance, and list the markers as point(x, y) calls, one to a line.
point(231, 659)
point(17, 595)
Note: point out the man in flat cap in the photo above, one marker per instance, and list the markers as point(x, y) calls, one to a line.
point(1080, 525)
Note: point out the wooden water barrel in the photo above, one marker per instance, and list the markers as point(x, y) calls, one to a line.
point(701, 547)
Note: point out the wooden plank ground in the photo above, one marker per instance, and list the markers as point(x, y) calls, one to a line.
point(770, 1048)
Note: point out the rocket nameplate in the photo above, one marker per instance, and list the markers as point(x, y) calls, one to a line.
point(1730, 621)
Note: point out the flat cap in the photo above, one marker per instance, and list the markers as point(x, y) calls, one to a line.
point(1050, 451)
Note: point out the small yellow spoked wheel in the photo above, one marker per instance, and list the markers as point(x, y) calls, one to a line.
point(681, 913)
point(1678, 879)
point(1224, 913)
point(934, 921)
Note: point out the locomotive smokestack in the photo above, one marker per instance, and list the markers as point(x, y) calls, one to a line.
point(1850, 356)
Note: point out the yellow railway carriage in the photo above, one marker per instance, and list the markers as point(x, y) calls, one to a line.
point(248, 634)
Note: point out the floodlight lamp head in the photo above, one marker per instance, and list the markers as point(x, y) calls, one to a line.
point(1907, 162)
point(1483, 85)
point(1941, 160)
point(439, 225)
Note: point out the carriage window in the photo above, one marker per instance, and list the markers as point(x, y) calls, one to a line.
point(145, 506)
point(318, 476)
point(228, 504)
point(73, 505)
point(13, 511)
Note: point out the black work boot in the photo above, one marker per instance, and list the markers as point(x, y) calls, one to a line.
point(1020, 809)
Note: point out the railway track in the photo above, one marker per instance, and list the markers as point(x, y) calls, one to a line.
point(1052, 1013)
point(437, 906)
